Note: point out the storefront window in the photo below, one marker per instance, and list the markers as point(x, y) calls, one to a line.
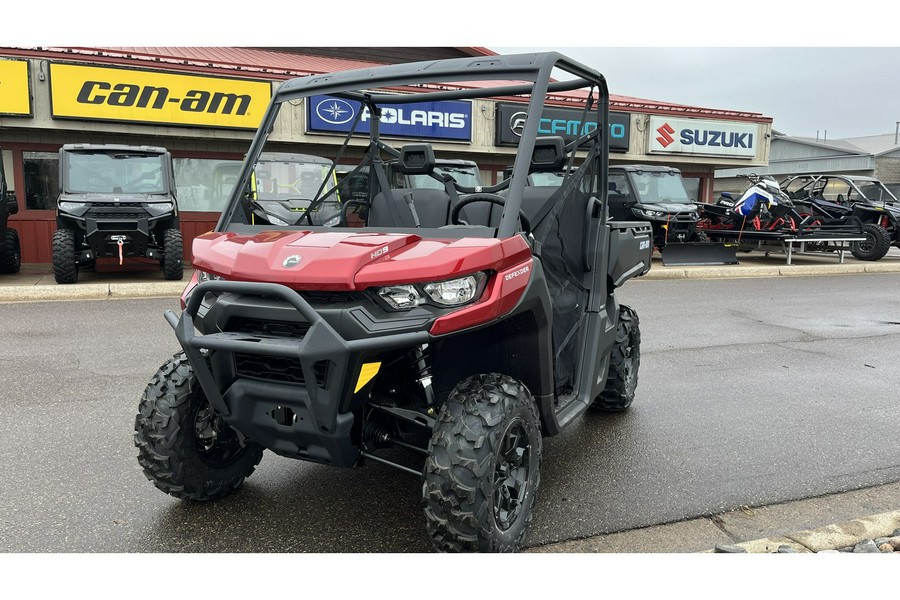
point(692, 185)
point(41, 180)
point(204, 184)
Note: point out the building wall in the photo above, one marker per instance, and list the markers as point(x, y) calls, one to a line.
point(43, 133)
point(887, 169)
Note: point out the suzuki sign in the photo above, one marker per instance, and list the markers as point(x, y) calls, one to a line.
point(693, 136)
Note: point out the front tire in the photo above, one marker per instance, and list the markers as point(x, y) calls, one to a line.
point(10, 252)
point(877, 244)
point(173, 255)
point(65, 267)
point(482, 473)
point(184, 448)
point(622, 377)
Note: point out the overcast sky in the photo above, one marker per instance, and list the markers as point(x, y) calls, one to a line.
point(811, 68)
point(833, 92)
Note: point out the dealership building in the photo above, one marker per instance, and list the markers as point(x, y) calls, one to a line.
point(204, 104)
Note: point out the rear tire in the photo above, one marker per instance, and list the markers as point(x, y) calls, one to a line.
point(65, 267)
point(624, 361)
point(10, 252)
point(877, 244)
point(173, 255)
point(184, 448)
point(482, 473)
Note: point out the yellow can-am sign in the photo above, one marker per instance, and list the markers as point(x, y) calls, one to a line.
point(15, 95)
point(110, 94)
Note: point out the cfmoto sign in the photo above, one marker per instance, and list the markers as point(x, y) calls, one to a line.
point(563, 122)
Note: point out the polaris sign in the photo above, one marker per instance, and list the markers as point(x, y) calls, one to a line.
point(565, 122)
point(692, 136)
point(447, 120)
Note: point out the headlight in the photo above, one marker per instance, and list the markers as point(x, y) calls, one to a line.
point(157, 209)
point(453, 292)
point(203, 276)
point(400, 297)
point(649, 213)
point(75, 208)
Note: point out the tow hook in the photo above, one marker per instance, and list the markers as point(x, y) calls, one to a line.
point(120, 241)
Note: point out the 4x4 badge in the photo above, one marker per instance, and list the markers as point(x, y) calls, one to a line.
point(291, 261)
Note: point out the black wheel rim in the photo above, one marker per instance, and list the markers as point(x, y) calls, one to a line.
point(511, 475)
point(216, 443)
point(867, 244)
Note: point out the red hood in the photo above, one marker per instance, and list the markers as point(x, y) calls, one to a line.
point(338, 260)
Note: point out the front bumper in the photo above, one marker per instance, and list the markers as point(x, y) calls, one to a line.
point(105, 225)
point(300, 412)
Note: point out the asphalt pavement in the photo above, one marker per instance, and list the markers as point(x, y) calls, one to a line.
point(805, 526)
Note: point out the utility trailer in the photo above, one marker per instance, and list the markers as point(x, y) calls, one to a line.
point(818, 238)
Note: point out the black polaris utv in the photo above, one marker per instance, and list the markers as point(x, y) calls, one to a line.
point(443, 336)
point(830, 198)
point(10, 249)
point(116, 202)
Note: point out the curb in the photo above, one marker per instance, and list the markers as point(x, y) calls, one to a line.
point(830, 537)
point(90, 291)
point(739, 272)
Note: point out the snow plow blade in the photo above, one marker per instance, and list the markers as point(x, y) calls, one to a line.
point(699, 253)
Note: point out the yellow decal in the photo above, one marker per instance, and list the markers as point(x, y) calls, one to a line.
point(15, 97)
point(368, 371)
point(111, 94)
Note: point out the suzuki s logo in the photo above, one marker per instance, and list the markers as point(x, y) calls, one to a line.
point(665, 135)
point(291, 261)
point(335, 111)
point(517, 123)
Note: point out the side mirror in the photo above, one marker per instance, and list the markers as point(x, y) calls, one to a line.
point(12, 203)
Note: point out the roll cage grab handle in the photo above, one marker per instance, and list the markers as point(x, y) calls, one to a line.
point(536, 69)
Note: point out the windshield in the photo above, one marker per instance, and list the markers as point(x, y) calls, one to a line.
point(653, 188)
point(465, 176)
point(545, 179)
point(283, 187)
point(114, 173)
point(877, 192)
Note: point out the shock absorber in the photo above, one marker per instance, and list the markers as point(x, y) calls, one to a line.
point(423, 372)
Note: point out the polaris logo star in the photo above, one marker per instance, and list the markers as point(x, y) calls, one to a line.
point(335, 111)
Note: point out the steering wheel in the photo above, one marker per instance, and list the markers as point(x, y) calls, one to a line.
point(492, 199)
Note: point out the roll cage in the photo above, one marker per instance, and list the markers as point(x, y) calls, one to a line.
point(513, 77)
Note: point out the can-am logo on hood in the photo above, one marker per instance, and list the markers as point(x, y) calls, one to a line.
point(335, 111)
point(291, 261)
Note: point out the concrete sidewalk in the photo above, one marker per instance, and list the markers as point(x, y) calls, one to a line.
point(806, 526)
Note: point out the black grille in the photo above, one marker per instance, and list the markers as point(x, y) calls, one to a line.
point(320, 297)
point(274, 368)
point(119, 213)
point(265, 328)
